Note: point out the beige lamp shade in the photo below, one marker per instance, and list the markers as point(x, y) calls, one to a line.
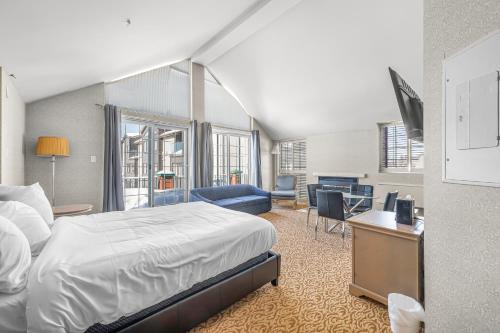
point(52, 146)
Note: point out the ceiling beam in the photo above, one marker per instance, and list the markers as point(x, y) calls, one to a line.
point(256, 17)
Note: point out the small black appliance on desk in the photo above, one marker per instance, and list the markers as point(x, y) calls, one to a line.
point(404, 211)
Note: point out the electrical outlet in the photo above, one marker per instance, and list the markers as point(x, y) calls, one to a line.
point(93, 159)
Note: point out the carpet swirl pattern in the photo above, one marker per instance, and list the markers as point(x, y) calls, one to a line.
point(313, 295)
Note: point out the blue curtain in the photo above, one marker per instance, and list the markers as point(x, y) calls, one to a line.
point(194, 164)
point(113, 185)
point(206, 156)
point(256, 165)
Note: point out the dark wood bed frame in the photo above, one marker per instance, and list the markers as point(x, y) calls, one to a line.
point(196, 308)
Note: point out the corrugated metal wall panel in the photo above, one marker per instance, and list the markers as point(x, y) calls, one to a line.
point(163, 91)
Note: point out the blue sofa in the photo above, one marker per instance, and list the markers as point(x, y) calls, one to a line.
point(243, 198)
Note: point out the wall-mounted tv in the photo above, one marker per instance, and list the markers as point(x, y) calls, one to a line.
point(411, 107)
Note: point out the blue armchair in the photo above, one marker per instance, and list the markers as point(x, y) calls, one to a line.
point(243, 198)
point(285, 189)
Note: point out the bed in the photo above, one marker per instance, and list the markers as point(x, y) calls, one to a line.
point(154, 269)
point(12, 312)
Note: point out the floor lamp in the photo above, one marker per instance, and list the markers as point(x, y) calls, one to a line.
point(52, 146)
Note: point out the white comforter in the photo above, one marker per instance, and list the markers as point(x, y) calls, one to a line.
point(100, 267)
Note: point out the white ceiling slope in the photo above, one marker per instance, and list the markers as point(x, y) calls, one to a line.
point(256, 17)
point(54, 46)
point(322, 66)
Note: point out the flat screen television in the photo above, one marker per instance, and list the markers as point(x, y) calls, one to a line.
point(411, 107)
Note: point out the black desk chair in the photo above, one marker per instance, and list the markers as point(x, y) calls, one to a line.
point(390, 201)
point(311, 198)
point(330, 206)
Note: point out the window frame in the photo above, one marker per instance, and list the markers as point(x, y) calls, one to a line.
point(152, 124)
point(409, 169)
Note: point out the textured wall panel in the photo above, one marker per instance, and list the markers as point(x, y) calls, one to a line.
point(75, 116)
point(462, 234)
point(163, 91)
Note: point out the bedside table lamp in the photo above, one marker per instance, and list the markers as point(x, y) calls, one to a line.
point(52, 146)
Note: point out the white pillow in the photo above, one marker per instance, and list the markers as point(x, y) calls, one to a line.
point(31, 195)
point(15, 258)
point(28, 220)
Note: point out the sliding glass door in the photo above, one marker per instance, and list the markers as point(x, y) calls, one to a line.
point(154, 164)
point(170, 168)
point(231, 162)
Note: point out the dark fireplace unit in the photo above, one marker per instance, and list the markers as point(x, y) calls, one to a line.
point(350, 185)
point(337, 181)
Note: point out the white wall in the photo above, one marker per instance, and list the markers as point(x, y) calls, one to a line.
point(75, 116)
point(266, 146)
point(12, 133)
point(358, 152)
point(222, 109)
point(462, 234)
point(322, 66)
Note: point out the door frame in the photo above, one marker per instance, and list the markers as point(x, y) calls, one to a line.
point(228, 132)
point(153, 124)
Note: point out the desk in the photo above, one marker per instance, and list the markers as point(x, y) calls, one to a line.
point(387, 257)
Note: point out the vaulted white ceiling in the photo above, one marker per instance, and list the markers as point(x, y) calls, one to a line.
point(300, 67)
point(54, 46)
point(322, 66)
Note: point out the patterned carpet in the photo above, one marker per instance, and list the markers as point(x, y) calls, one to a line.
point(313, 293)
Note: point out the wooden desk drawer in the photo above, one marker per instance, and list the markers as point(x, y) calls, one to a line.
point(384, 263)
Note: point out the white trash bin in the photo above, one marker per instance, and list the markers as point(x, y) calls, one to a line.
point(405, 313)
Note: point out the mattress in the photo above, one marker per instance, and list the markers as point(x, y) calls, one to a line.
point(102, 267)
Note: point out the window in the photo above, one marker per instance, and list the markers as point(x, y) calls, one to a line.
point(397, 152)
point(231, 162)
point(292, 161)
point(153, 164)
